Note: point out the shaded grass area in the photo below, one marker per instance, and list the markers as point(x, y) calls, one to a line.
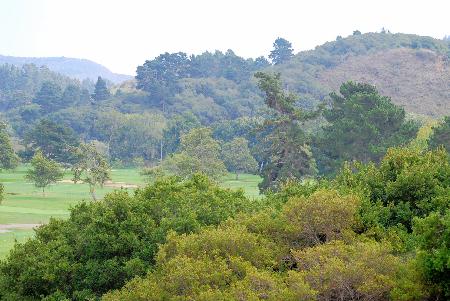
point(26, 204)
point(8, 239)
point(249, 183)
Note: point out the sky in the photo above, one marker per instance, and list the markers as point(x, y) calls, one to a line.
point(123, 34)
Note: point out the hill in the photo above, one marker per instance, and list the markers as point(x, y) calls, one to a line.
point(72, 67)
point(418, 80)
point(413, 70)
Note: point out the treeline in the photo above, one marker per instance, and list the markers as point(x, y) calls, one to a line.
point(213, 90)
point(374, 232)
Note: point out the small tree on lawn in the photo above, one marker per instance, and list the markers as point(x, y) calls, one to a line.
point(237, 157)
point(8, 159)
point(91, 168)
point(44, 172)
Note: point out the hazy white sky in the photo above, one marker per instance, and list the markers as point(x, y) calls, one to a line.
point(123, 34)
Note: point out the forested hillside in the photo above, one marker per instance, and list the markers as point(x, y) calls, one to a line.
point(72, 67)
point(345, 143)
point(143, 118)
point(413, 70)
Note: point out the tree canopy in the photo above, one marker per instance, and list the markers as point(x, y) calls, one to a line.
point(199, 153)
point(362, 125)
point(8, 158)
point(237, 157)
point(54, 140)
point(101, 91)
point(44, 171)
point(441, 135)
point(104, 244)
point(282, 51)
point(287, 153)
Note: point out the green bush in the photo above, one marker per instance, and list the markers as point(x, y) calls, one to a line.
point(104, 244)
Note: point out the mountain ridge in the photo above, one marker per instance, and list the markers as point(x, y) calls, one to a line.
point(73, 67)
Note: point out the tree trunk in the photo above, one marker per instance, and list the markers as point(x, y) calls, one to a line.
point(43, 192)
point(92, 191)
point(237, 176)
point(161, 150)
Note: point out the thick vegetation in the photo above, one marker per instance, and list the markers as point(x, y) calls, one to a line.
point(103, 244)
point(356, 204)
point(322, 243)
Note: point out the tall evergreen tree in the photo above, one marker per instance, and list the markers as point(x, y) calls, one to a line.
point(362, 125)
point(49, 97)
point(8, 159)
point(286, 151)
point(282, 51)
point(101, 91)
point(441, 135)
point(54, 140)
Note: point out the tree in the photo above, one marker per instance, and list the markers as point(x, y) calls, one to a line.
point(199, 153)
point(282, 51)
point(101, 91)
point(321, 217)
point(104, 244)
point(362, 125)
point(408, 183)
point(285, 148)
point(159, 77)
point(2, 191)
point(237, 157)
point(433, 236)
point(71, 96)
point(54, 140)
point(359, 271)
point(44, 172)
point(49, 97)
point(8, 158)
point(177, 126)
point(441, 135)
point(90, 167)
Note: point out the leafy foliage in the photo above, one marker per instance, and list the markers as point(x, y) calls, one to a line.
point(237, 157)
point(44, 172)
point(287, 154)
point(408, 183)
point(101, 91)
point(105, 243)
point(282, 51)
point(361, 126)
point(8, 158)
point(433, 234)
point(441, 135)
point(199, 153)
point(55, 141)
point(90, 167)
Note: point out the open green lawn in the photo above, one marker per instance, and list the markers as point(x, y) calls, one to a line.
point(25, 204)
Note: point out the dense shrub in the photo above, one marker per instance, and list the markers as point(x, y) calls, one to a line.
point(407, 183)
point(106, 243)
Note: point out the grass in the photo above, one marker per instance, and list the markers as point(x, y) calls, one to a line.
point(8, 239)
point(25, 204)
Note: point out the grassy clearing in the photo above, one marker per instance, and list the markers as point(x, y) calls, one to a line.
point(8, 239)
point(25, 204)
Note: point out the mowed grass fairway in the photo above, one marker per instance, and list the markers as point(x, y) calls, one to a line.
point(25, 204)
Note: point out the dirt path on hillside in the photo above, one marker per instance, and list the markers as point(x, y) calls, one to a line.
point(7, 227)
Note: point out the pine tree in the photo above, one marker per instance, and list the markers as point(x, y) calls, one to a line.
point(101, 91)
point(282, 51)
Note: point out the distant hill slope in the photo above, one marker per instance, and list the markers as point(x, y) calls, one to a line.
point(418, 80)
point(413, 70)
point(72, 67)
